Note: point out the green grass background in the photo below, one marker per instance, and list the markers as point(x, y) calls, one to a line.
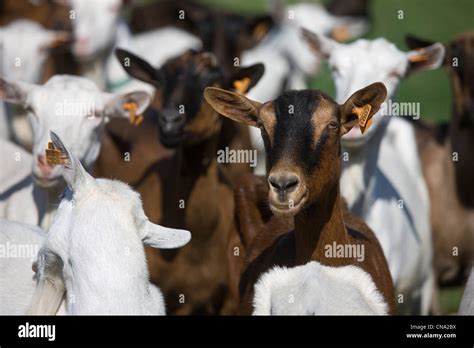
point(439, 20)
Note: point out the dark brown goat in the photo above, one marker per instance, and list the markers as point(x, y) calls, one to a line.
point(184, 185)
point(448, 166)
point(301, 132)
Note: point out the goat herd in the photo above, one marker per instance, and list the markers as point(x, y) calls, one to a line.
point(111, 129)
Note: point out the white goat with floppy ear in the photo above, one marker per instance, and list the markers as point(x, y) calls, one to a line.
point(382, 179)
point(75, 109)
point(315, 289)
point(96, 241)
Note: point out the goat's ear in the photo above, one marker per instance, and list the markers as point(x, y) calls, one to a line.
point(15, 92)
point(320, 44)
point(414, 42)
point(362, 106)
point(233, 105)
point(259, 27)
point(73, 172)
point(129, 105)
point(139, 68)
point(160, 237)
point(247, 77)
point(425, 58)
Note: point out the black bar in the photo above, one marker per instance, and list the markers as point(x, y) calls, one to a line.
point(135, 330)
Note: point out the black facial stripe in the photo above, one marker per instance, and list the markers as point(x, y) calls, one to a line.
point(184, 87)
point(293, 132)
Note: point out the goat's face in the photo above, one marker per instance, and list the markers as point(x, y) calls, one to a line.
point(184, 117)
point(363, 62)
point(95, 26)
point(24, 47)
point(74, 108)
point(301, 131)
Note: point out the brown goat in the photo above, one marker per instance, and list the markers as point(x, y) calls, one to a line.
point(448, 166)
point(183, 185)
point(301, 132)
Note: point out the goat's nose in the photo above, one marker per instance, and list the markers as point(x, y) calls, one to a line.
point(283, 183)
point(82, 42)
point(171, 121)
point(43, 165)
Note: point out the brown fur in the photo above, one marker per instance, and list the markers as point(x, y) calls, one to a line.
point(294, 236)
point(449, 182)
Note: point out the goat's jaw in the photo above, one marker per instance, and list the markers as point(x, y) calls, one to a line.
point(288, 209)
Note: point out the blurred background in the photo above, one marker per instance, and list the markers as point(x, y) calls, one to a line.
point(428, 19)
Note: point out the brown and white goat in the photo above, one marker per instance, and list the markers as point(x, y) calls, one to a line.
point(448, 166)
point(301, 132)
point(173, 164)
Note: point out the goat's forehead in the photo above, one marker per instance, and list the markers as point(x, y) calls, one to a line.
point(76, 95)
point(368, 51)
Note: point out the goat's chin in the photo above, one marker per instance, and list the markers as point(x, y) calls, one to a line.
point(285, 210)
point(45, 183)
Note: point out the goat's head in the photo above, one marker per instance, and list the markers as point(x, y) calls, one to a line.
point(459, 60)
point(184, 116)
point(74, 108)
point(94, 26)
point(24, 48)
point(362, 62)
point(301, 131)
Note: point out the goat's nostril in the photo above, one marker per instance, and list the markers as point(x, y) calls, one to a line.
point(283, 182)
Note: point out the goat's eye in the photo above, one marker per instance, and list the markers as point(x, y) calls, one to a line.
point(333, 124)
point(335, 70)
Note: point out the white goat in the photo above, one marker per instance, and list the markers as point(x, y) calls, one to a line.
point(96, 51)
point(24, 48)
point(73, 107)
point(19, 246)
point(467, 302)
point(315, 289)
point(96, 240)
point(382, 179)
point(288, 60)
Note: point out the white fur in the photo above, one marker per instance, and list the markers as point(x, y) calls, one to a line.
point(24, 48)
point(74, 108)
point(17, 281)
point(97, 55)
point(467, 302)
point(97, 239)
point(315, 289)
point(383, 171)
point(288, 61)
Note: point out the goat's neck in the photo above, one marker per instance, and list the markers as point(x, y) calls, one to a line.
point(99, 69)
point(193, 179)
point(53, 197)
point(319, 224)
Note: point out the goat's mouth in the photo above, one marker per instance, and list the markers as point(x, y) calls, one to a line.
point(45, 182)
point(289, 208)
point(172, 140)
